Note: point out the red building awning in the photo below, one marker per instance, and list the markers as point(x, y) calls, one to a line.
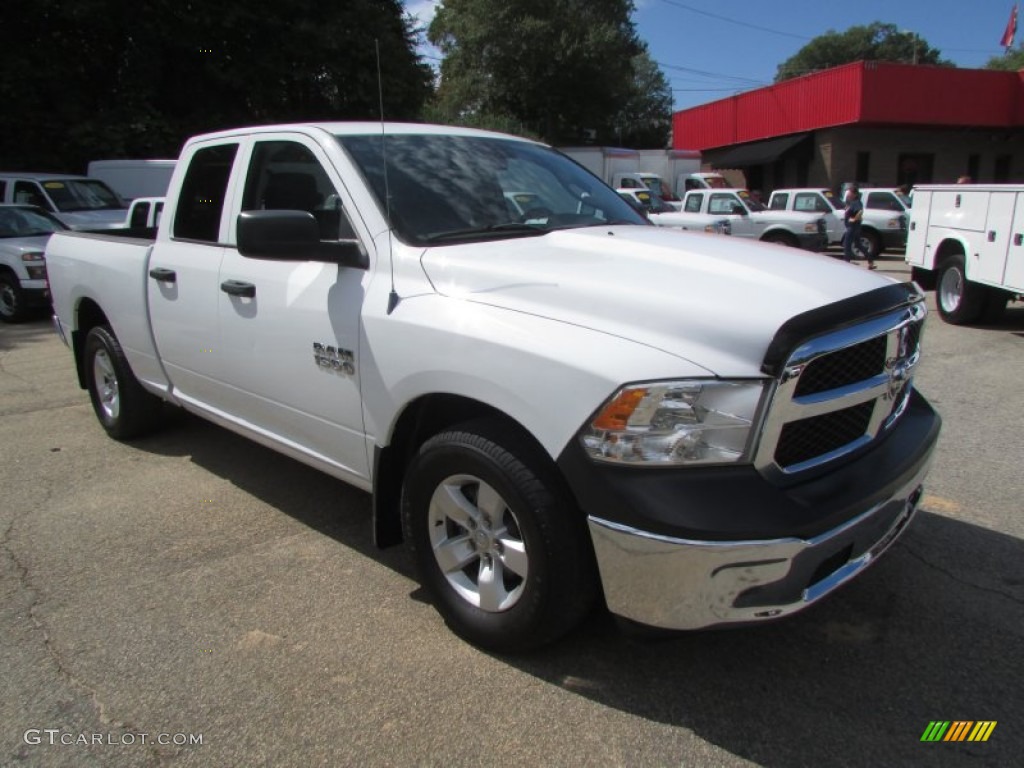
point(862, 93)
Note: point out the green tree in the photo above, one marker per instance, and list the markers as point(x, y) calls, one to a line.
point(1011, 61)
point(874, 42)
point(113, 78)
point(561, 69)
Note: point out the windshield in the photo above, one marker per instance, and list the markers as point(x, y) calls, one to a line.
point(70, 195)
point(445, 188)
point(755, 206)
point(836, 202)
point(26, 222)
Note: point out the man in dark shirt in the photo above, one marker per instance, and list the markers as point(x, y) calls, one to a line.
point(853, 216)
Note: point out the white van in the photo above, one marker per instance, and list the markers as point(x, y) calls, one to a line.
point(134, 178)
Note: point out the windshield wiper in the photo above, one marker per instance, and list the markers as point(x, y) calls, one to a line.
point(508, 228)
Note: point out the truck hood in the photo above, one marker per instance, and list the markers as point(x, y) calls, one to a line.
point(713, 300)
point(108, 219)
point(15, 246)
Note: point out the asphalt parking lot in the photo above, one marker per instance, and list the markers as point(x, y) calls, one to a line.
point(193, 586)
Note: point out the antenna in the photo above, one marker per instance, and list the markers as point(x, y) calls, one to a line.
point(393, 298)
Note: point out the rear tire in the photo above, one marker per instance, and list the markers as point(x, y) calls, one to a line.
point(124, 409)
point(959, 300)
point(497, 541)
point(12, 299)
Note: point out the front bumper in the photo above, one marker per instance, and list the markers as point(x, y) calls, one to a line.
point(895, 239)
point(816, 241)
point(684, 549)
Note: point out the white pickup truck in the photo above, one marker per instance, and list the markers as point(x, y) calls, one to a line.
point(550, 406)
point(747, 218)
point(967, 242)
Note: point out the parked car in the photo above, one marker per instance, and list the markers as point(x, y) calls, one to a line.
point(78, 201)
point(748, 218)
point(572, 409)
point(24, 232)
point(966, 242)
point(884, 226)
point(655, 208)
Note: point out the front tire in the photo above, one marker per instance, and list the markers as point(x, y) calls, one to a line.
point(959, 300)
point(124, 409)
point(497, 541)
point(12, 299)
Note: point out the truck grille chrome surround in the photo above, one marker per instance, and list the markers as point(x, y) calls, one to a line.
point(840, 391)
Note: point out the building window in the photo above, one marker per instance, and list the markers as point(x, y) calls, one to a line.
point(863, 167)
point(1001, 174)
point(914, 169)
point(974, 167)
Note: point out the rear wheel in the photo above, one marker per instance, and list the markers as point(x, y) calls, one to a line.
point(12, 300)
point(959, 300)
point(123, 407)
point(497, 542)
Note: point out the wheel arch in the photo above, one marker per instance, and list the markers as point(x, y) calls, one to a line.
point(418, 421)
point(88, 315)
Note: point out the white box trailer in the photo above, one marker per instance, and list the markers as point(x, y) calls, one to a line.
point(134, 178)
point(967, 241)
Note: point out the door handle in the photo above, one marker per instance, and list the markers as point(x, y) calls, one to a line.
point(238, 288)
point(1018, 239)
point(991, 235)
point(163, 275)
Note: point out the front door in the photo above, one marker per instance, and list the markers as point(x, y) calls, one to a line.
point(290, 329)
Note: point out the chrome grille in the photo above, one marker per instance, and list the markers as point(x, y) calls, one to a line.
point(839, 391)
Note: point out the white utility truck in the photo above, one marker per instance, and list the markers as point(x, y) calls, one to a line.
point(967, 242)
point(552, 404)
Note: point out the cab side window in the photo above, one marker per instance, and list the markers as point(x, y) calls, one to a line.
point(810, 203)
point(723, 204)
point(780, 201)
point(286, 176)
point(694, 202)
point(28, 193)
point(883, 201)
point(201, 202)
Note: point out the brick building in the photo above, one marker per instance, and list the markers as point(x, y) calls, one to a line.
point(876, 122)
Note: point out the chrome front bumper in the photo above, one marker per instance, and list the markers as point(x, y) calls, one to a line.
point(682, 584)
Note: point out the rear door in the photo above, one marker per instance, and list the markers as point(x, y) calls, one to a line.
point(291, 348)
point(182, 279)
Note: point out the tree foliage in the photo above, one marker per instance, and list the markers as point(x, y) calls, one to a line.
point(1011, 61)
point(111, 78)
point(874, 42)
point(561, 69)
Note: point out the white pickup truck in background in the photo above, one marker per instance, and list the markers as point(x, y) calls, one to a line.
point(551, 400)
point(79, 203)
point(967, 242)
point(883, 226)
point(748, 219)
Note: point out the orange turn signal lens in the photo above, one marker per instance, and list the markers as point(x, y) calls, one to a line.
point(616, 414)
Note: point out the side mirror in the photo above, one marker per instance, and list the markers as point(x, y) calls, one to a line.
point(293, 236)
point(739, 210)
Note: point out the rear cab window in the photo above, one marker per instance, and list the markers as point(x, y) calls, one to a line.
point(203, 191)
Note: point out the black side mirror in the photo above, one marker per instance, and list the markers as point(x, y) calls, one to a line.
point(294, 236)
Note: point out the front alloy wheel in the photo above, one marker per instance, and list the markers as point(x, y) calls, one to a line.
point(477, 543)
point(498, 541)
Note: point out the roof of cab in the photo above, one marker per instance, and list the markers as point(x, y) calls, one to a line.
point(362, 129)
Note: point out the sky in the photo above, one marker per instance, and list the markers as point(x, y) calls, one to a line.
point(712, 50)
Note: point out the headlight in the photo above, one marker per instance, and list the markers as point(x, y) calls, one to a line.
point(32, 256)
point(896, 223)
point(812, 227)
point(675, 423)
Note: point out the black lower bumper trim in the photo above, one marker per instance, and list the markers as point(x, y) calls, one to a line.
point(738, 503)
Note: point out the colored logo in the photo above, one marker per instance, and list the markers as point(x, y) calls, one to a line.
point(958, 730)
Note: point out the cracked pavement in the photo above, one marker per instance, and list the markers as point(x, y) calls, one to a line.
point(195, 583)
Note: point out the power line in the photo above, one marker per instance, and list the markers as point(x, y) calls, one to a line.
point(737, 22)
point(716, 75)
